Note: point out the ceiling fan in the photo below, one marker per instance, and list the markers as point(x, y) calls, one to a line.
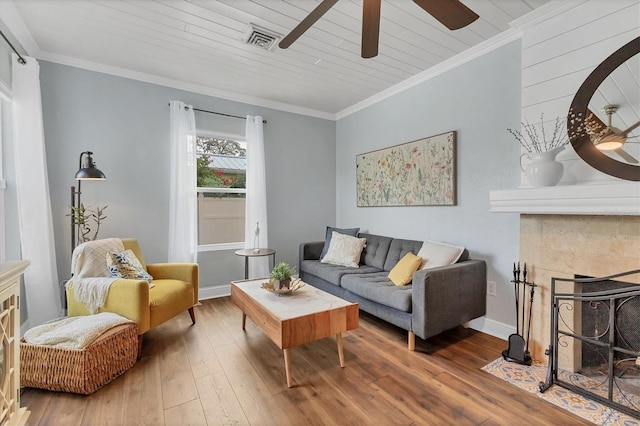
point(607, 137)
point(450, 13)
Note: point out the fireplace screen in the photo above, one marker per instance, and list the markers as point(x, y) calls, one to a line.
point(595, 340)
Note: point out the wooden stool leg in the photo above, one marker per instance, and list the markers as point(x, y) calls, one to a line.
point(287, 365)
point(244, 320)
point(192, 314)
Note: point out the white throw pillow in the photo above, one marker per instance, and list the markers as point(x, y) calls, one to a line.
point(439, 254)
point(344, 250)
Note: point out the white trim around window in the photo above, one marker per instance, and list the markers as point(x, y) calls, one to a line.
point(223, 190)
point(3, 186)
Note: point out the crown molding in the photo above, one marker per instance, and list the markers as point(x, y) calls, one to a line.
point(182, 85)
point(532, 18)
point(12, 19)
point(544, 13)
point(470, 54)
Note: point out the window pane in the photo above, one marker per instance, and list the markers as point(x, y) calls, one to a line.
point(221, 164)
point(220, 218)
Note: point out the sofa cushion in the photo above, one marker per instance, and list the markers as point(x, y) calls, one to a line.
point(375, 253)
point(377, 287)
point(402, 273)
point(344, 250)
point(332, 273)
point(398, 249)
point(437, 254)
point(327, 236)
point(167, 299)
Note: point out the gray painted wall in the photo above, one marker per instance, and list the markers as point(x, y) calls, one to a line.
point(126, 124)
point(480, 100)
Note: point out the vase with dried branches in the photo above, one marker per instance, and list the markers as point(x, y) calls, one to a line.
point(541, 148)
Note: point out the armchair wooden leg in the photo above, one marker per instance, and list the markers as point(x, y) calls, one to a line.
point(192, 315)
point(412, 341)
point(140, 346)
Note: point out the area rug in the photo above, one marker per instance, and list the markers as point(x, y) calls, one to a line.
point(528, 377)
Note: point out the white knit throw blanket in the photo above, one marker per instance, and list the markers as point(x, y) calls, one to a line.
point(74, 332)
point(91, 279)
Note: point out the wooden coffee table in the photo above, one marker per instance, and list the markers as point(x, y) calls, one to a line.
point(307, 315)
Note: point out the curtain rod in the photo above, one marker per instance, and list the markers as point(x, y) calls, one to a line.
point(20, 58)
point(221, 113)
point(226, 115)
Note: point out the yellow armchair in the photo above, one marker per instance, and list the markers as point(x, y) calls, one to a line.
point(175, 290)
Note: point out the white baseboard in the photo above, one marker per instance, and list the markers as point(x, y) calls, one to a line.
point(214, 292)
point(492, 327)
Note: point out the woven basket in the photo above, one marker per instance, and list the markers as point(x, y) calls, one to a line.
point(82, 371)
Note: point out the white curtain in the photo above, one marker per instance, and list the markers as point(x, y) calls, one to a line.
point(32, 187)
point(256, 207)
point(183, 213)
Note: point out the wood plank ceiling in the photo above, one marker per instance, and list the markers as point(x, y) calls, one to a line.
point(200, 42)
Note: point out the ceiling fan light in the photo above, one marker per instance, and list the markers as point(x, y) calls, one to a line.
point(609, 145)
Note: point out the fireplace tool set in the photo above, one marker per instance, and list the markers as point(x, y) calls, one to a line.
point(518, 350)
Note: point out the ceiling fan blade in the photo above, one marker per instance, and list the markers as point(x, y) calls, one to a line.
point(626, 156)
point(630, 129)
point(306, 23)
point(370, 28)
point(450, 13)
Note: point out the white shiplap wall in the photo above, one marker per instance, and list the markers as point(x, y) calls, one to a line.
point(559, 52)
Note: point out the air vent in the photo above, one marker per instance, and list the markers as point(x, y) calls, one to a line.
point(261, 37)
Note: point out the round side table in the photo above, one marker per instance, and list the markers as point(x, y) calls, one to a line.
point(247, 253)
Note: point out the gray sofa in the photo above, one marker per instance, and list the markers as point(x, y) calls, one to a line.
point(436, 300)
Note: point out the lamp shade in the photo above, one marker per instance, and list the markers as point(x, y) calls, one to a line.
point(88, 170)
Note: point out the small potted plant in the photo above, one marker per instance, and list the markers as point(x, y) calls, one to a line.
point(281, 276)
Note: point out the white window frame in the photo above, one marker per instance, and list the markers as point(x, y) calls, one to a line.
point(222, 246)
point(3, 185)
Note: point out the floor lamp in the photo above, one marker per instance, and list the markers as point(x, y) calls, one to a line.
point(86, 171)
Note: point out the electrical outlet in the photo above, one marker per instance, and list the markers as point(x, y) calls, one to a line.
point(492, 288)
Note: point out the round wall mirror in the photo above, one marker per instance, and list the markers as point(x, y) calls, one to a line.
point(602, 114)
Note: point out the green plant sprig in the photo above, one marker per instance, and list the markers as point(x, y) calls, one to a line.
point(83, 217)
point(281, 272)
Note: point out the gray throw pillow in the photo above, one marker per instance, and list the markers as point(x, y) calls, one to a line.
point(327, 236)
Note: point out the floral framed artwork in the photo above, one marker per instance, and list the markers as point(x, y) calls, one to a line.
point(418, 173)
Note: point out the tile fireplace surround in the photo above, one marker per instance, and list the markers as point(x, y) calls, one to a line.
point(591, 230)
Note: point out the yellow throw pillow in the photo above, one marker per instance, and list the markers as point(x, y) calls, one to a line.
point(402, 273)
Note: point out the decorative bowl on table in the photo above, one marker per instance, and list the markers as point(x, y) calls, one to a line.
point(293, 286)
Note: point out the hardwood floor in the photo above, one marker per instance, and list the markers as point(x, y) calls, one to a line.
point(214, 373)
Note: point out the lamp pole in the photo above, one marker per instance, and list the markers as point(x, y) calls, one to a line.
point(74, 224)
point(87, 171)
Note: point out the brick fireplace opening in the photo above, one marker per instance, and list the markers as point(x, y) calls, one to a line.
point(563, 245)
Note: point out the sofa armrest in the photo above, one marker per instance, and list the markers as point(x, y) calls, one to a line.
point(311, 251)
point(445, 297)
point(128, 298)
point(176, 271)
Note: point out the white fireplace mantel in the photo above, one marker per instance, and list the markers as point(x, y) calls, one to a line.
point(620, 199)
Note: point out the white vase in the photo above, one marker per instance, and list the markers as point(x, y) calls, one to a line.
point(543, 169)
